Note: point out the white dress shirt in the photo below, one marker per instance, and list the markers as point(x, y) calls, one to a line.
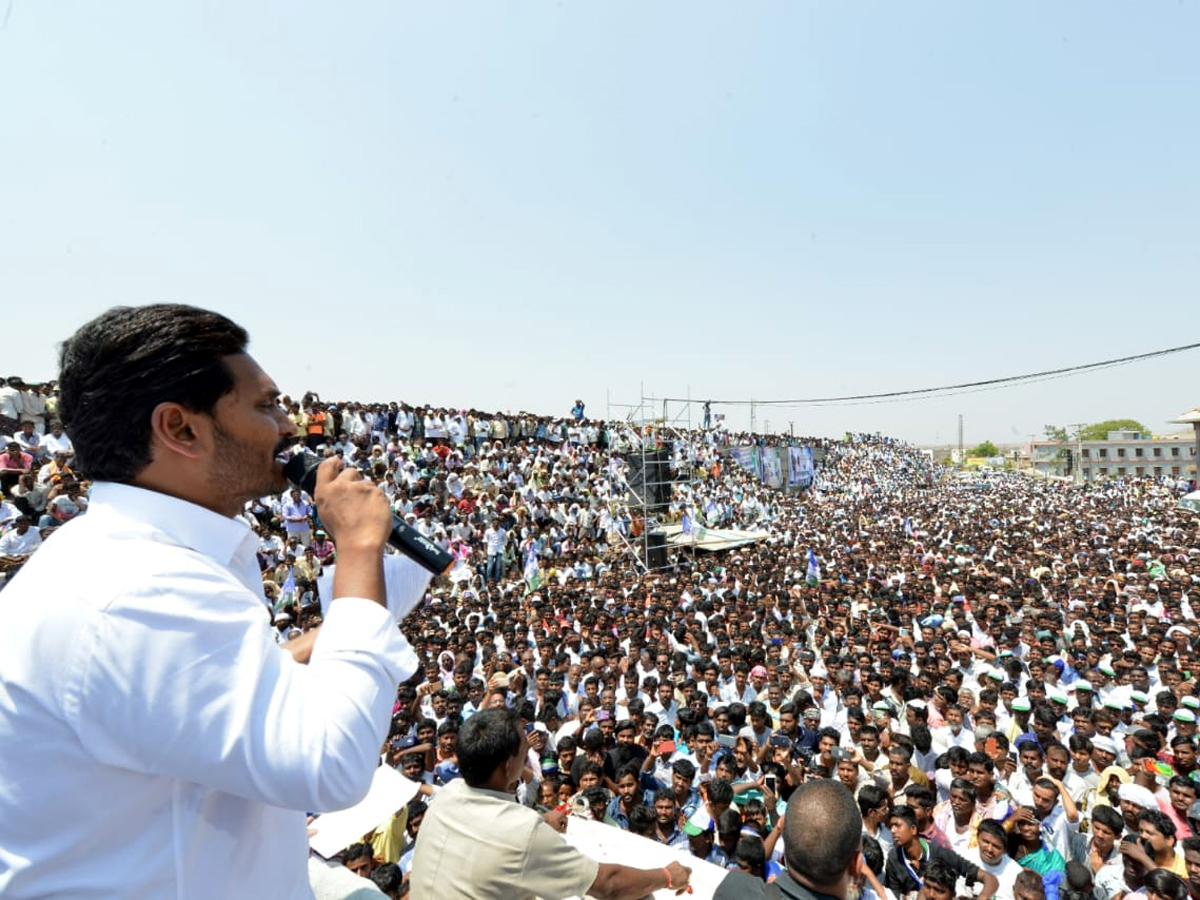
point(157, 742)
point(14, 544)
point(57, 444)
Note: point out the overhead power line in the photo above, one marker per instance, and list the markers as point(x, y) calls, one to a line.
point(965, 387)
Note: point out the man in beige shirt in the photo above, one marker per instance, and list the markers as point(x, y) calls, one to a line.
point(477, 842)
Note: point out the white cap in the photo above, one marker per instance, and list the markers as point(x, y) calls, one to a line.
point(1107, 744)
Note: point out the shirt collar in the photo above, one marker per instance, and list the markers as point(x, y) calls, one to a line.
point(182, 522)
point(792, 888)
point(499, 795)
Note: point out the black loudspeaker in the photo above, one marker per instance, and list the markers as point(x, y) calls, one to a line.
point(656, 549)
point(650, 478)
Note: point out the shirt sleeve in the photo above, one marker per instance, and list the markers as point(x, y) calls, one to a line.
point(553, 868)
point(959, 864)
point(181, 677)
point(895, 878)
point(737, 885)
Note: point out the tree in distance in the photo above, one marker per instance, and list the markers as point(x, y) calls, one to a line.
point(987, 448)
point(1100, 430)
point(1056, 434)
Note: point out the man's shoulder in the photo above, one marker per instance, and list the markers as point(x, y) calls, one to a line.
point(945, 854)
point(736, 885)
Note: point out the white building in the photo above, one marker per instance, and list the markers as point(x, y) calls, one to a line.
point(1121, 453)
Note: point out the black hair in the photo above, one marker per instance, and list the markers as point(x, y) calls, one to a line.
point(1166, 883)
point(684, 768)
point(487, 740)
point(939, 873)
point(418, 758)
point(870, 797)
point(729, 822)
point(751, 853)
point(629, 769)
point(720, 791)
point(981, 759)
point(872, 854)
point(1110, 817)
point(824, 853)
point(642, 820)
point(119, 366)
point(596, 795)
point(906, 814)
point(1045, 717)
point(994, 828)
point(357, 851)
point(1182, 781)
point(1029, 880)
point(387, 877)
point(922, 795)
point(922, 738)
point(967, 787)
point(1159, 821)
point(958, 754)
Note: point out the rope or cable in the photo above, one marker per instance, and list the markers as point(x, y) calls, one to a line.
point(949, 389)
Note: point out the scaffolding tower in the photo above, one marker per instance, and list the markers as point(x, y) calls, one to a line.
point(661, 468)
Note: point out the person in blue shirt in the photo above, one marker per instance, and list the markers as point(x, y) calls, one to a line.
point(666, 825)
point(701, 842)
point(628, 778)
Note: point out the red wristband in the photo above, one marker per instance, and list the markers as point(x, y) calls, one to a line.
point(667, 872)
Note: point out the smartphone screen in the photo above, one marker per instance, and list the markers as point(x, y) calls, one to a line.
point(726, 740)
point(770, 782)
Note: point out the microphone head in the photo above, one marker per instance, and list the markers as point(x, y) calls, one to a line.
point(301, 470)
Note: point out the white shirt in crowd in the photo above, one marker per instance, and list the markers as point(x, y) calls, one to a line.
point(495, 540)
point(14, 544)
point(57, 443)
point(157, 740)
point(1006, 872)
point(11, 404)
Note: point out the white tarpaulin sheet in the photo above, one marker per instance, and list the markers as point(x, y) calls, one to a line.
point(712, 538)
point(608, 844)
point(335, 831)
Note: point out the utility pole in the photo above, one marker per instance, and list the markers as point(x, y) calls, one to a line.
point(962, 459)
point(752, 415)
point(1078, 470)
point(792, 429)
point(766, 426)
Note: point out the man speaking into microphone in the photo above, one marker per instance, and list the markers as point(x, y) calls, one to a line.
point(156, 740)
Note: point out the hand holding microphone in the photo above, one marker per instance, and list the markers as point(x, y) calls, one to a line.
point(354, 511)
point(301, 470)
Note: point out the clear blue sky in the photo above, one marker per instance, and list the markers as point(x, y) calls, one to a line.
point(514, 204)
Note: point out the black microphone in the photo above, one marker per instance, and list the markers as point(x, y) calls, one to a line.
point(301, 470)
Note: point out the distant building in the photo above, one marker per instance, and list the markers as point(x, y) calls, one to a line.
point(1121, 453)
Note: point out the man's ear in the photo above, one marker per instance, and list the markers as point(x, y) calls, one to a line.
point(856, 861)
point(177, 429)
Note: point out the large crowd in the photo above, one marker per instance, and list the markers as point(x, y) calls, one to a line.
point(1003, 670)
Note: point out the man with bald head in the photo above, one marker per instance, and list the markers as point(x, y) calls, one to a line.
point(820, 862)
